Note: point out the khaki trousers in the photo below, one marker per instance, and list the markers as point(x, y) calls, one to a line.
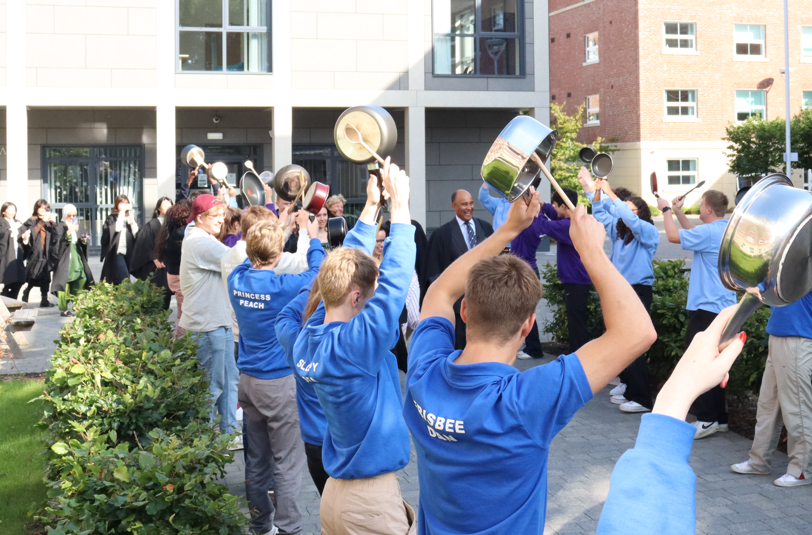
point(785, 397)
point(371, 506)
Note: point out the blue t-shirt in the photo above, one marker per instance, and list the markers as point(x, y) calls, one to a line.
point(792, 320)
point(482, 433)
point(355, 374)
point(257, 296)
point(705, 290)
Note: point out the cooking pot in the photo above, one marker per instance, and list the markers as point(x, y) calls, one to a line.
point(602, 165)
point(336, 231)
point(376, 127)
point(193, 156)
point(766, 248)
point(586, 155)
point(315, 197)
point(290, 182)
point(513, 164)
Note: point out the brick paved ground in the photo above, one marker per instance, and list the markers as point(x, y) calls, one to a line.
point(580, 465)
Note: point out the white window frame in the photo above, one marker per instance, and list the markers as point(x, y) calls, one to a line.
point(687, 51)
point(681, 186)
point(762, 42)
point(806, 58)
point(595, 49)
point(736, 111)
point(589, 111)
point(681, 118)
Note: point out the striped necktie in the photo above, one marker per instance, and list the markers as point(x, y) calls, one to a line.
point(471, 235)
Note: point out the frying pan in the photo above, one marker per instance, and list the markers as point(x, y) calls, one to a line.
point(315, 197)
point(376, 127)
point(653, 180)
point(587, 154)
point(336, 231)
point(602, 165)
point(194, 157)
point(252, 190)
point(291, 182)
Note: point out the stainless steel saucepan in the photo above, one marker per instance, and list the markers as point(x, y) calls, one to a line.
point(766, 248)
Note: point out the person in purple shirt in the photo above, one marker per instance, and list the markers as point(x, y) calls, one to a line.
point(569, 268)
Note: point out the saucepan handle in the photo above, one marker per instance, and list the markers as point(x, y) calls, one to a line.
point(749, 304)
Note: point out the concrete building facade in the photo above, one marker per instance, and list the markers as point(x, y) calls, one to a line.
point(665, 79)
point(101, 95)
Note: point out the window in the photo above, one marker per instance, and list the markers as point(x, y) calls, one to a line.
point(806, 43)
point(478, 37)
point(751, 104)
point(591, 41)
point(680, 103)
point(681, 172)
point(749, 40)
point(224, 35)
point(807, 103)
point(593, 108)
point(680, 36)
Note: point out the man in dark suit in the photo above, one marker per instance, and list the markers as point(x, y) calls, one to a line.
point(453, 240)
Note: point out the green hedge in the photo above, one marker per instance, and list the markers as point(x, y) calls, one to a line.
point(131, 447)
point(670, 320)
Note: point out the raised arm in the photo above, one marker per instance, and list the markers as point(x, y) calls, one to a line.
point(644, 231)
point(601, 213)
point(362, 234)
point(629, 331)
point(289, 323)
point(450, 286)
point(671, 230)
point(683, 219)
point(490, 203)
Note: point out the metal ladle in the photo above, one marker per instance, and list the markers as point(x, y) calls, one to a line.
point(353, 135)
point(250, 166)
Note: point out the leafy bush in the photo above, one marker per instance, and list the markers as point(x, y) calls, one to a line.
point(131, 448)
point(670, 319)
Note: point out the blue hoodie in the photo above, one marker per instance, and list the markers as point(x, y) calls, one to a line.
point(312, 422)
point(633, 260)
point(653, 489)
point(257, 296)
point(355, 375)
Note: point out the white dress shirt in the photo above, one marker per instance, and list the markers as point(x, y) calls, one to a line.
point(464, 229)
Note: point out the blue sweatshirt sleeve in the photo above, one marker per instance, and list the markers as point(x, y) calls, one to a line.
point(377, 326)
point(289, 323)
point(653, 489)
point(362, 236)
point(490, 203)
point(609, 208)
point(600, 213)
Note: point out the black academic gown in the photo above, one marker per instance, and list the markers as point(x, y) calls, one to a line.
point(37, 251)
point(445, 246)
point(142, 260)
point(12, 255)
point(60, 259)
point(109, 247)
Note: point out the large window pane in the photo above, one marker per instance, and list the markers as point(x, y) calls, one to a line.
point(806, 42)
point(454, 55)
point(807, 103)
point(247, 51)
point(499, 56)
point(68, 182)
point(454, 16)
point(500, 16)
point(201, 13)
point(201, 51)
point(247, 12)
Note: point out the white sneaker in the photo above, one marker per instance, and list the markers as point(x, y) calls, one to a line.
point(633, 406)
point(705, 429)
point(788, 480)
point(236, 444)
point(521, 355)
point(745, 468)
point(618, 400)
point(723, 428)
point(619, 390)
point(274, 531)
point(615, 381)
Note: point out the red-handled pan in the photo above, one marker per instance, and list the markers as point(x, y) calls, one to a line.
point(654, 185)
point(315, 197)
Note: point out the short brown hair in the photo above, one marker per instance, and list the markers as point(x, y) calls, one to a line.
point(345, 269)
point(264, 243)
point(500, 294)
point(717, 201)
point(253, 215)
point(233, 215)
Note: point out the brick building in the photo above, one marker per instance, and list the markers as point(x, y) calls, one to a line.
point(666, 78)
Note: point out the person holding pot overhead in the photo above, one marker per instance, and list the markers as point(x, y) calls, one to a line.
point(12, 255)
point(40, 227)
point(144, 262)
point(69, 257)
point(634, 241)
point(118, 241)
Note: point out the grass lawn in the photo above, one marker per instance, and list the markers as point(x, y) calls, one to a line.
point(21, 465)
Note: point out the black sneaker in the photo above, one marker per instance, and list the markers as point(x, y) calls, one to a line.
point(46, 304)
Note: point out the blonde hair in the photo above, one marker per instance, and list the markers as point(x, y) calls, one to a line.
point(344, 270)
point(335, 199)
point(501, 293)
point(264, 243)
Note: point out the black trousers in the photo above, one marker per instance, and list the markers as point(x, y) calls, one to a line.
point(459, 327)
point(43, 285)
point(635, 376)
point(710, 406)
point(575, 300)
point(12, 290)
point(315, 466)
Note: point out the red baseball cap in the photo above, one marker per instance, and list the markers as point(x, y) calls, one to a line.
point(203, 203)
